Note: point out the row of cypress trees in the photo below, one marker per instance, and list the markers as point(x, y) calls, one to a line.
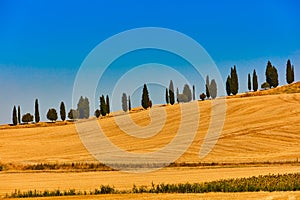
point(51, 114)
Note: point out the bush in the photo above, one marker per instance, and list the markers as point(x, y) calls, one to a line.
point(202, 96)
point(52, 114)
point(27, 118)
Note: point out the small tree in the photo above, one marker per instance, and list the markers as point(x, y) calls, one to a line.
point(202, 96)
point(124, 102)
point(27, 118)
point(234, 86)
point(73, 114)
point(14, 116)
point(83, 108)
point(182, 98)
point(249, 82)
point(145, 97)
point(36, 111)
point(272, 75)
point(265, 85)
point(213, 89)
point(62, 111)
point(177, 94)
point(129, 103)
point(187, 92)
point(97, 113)
point(167, 96)
point(171, 93)
point(254, 81)
point(52, 114)
point(150, 104)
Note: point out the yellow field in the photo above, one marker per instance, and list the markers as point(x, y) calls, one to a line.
point(256, 130)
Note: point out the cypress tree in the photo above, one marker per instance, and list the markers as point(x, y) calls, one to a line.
point(213, 89)
point(167, 96)
point(271, 75)
point(177, 94)
point(145, 97)
point(254, 81)
point(194, 95)
point(107, 105)
point(14, 116)
point(103, 106)
point(62, 111)
point(36, 112)
point(171, 93)
point(19, 115)
point(187, 92)
point(83, 108)
point(289, 72)
point(228, 83)
point(234, 86)
point(124, 102)
point(249, 82)
point(129, 103)
point(207, 87)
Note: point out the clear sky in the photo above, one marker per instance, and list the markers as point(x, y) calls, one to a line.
point(43, 43)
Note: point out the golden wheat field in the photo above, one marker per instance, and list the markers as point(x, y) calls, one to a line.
point(260, 136)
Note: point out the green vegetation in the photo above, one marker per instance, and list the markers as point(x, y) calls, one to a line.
point(27, 118)
point(129, 103)
point(290, 75)
point(269, 183)
point(62, 111)
point(207, 87)
point(167, 96)
point(202, 96)
point(97, 113)
point(171, 93)
point(103, 106)
point(254, 81)
point(124, 102)
point(249, 82)
point(19, 115)
point(187, 92)
point(271, 75)
point(107, 105)
point(52, 115)
point(73, 114)
point(228, 82)
point(145, 98)
point(265, 85)
point(83, 108)
point(14, 116)
point(213, 89)
point(36, 111)
point(234, 82)
point(194, 93)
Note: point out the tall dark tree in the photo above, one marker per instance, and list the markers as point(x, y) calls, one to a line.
point(14, 116)
point(103, 106)
point(129, 103)
point(213, 89)
point(52, 114)
point(289, 72)
point(177, 95)
point(194, 95)
point(167, 96)
point(207, 89)
point(145, 97)
point(272, 75)
point(124, 102)
point(293, 74)
point(19, 115)
point(36, 111)
point(171, 93)
point(83, 108)
point(249, 82)
point(187, 92)
point(254, 81)
point(107, 105)
point(62, 111)
point(234, 86)
point(228, 83)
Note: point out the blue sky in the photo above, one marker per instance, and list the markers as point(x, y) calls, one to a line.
point(43, 43)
